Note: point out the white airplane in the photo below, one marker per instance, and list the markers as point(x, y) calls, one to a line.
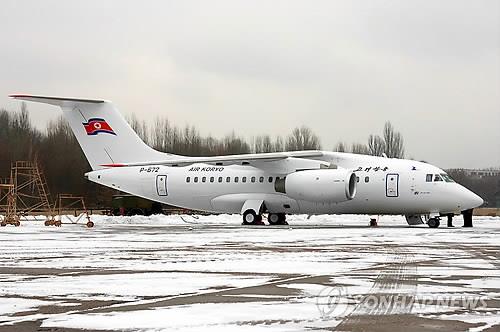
point(277, 184)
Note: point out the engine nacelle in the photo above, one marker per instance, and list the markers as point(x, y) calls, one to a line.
point(323, 185)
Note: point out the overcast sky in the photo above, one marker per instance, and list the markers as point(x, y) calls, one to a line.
point(342, 68)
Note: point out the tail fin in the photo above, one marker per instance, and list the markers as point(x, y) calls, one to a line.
point(102, 132)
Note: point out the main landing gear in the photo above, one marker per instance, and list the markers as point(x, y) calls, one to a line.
point(252, 218)
point(277, 219)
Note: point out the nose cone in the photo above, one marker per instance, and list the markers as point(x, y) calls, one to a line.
point(471, 200)
point(476, 199)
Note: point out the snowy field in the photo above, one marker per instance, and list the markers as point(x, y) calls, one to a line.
point(209, 273)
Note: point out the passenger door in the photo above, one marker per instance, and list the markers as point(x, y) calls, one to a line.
point(161, 185)
point(392, 185)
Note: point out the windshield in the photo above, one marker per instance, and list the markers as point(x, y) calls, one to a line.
point(446, 177)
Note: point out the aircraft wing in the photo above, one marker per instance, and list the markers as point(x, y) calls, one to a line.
point(226, 160)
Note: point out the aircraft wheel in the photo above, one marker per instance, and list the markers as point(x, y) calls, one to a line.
point(3, 224)
point(277, 219)
point(249, 217)
point(90, 224)
point(57, 223)
point(17, 223)
point(274, 218)
point(282, 219)
point(433, 223)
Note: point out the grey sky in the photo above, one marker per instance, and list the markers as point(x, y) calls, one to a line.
point(340, 67)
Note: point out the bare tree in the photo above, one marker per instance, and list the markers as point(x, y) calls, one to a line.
point(359, 148)
point(278, 144)
point(302, 139)
point(141, 128)
point(257, 144)
point(340, 147)
point(267, 144)
point(376, 145)
point(394, 146)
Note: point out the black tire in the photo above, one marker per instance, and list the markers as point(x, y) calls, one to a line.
point(249, 217)
point(90, 224)
point(433, 223)
point(274, 218)
point(282, 219)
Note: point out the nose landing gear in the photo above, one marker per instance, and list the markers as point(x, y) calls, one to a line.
point(433, 222)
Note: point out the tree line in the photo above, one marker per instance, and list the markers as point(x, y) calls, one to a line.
point(166, 137)
point(390, 144)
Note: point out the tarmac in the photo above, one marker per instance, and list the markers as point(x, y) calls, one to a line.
point(324, 273)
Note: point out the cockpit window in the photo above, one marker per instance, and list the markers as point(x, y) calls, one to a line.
point(446, 177)
point(437, 178)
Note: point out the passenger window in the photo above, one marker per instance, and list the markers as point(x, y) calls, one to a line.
point(195, 179)
point(188, 179)
point(428, 178)
point(367, 179)
point(236, 179)
point(437, 178)
point(244, 179)
point(253, 179)
point(270, 179)
point(211, 179)
point(220, 179)
point(261, 179)
point(204, 179)
point(228, 179)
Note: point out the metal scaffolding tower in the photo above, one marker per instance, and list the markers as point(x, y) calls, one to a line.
point(30, 188)
point(27, 193)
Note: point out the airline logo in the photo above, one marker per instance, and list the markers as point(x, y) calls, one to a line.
point(95, 126)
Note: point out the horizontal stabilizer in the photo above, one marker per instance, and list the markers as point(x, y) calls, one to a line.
point(57, 101)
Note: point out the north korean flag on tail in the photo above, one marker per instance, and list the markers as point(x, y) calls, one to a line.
point(95, 126)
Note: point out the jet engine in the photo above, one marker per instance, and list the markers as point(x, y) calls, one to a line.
point(323, 185)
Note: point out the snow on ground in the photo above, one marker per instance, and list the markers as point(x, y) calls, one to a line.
point(111, 287)
point(211, 273)
point(12, 305)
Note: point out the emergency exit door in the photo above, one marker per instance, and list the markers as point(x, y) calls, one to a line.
point(392, 185)
point(161, 185)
